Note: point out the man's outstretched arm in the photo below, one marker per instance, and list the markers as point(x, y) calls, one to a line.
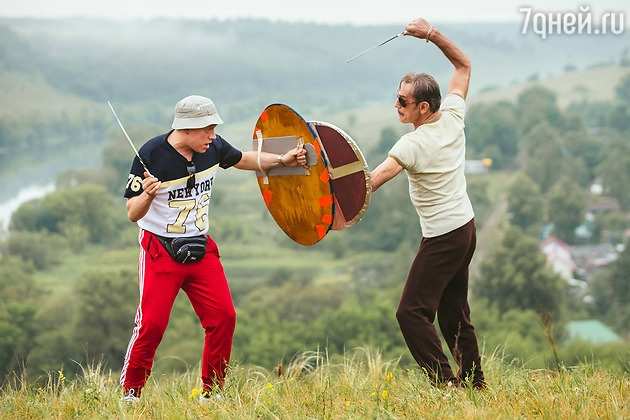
point(249, 160)
point(384, 172)
point(460, 80)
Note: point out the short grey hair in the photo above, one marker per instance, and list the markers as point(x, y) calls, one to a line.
point(425, 89)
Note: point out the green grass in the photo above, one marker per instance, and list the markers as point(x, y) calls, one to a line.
point(358, 385)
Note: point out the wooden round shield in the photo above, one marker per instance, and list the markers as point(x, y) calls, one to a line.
point(349, 174)
point(300, 200)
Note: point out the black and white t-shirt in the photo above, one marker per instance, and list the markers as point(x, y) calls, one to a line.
point(177, 211)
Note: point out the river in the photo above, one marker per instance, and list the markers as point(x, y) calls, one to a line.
point(25, 178)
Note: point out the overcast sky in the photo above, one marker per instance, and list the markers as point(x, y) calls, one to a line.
point(333, 11)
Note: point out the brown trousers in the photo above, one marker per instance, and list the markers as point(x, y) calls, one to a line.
point(438, 282)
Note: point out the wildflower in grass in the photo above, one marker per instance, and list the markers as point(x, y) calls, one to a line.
point(194, 393)
point(384, 395)
point(269, 386)
point(62, 377)
point(389, 377)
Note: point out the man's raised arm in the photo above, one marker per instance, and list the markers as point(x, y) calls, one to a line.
point(422, 29)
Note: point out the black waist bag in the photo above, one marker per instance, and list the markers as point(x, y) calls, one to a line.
point(185, 250)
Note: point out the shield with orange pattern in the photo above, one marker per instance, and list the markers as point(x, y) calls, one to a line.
point(299, 199)
point(331, 193)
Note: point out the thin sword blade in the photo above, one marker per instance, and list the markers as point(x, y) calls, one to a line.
point(374, 46)
point(127, 136)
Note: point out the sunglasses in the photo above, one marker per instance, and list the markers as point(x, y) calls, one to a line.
point(403, 102)
point(190, 183)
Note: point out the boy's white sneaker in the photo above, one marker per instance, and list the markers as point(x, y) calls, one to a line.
point(130, 397)
point(206, 397)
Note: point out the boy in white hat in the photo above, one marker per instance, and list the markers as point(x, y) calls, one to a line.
point(170, 205)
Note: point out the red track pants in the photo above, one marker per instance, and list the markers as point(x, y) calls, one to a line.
point(160, 278)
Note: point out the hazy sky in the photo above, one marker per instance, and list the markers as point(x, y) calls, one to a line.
point(335, 11)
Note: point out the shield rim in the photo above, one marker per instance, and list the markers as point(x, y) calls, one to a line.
point(366, 170)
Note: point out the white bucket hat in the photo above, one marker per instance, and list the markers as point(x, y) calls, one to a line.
point(195, 112)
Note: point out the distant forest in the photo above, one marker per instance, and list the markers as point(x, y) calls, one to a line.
point(250, 61)
point(55, 74)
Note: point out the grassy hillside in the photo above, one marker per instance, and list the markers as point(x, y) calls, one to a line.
point(357, 385)
point(589, 85)
point(32, 96)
